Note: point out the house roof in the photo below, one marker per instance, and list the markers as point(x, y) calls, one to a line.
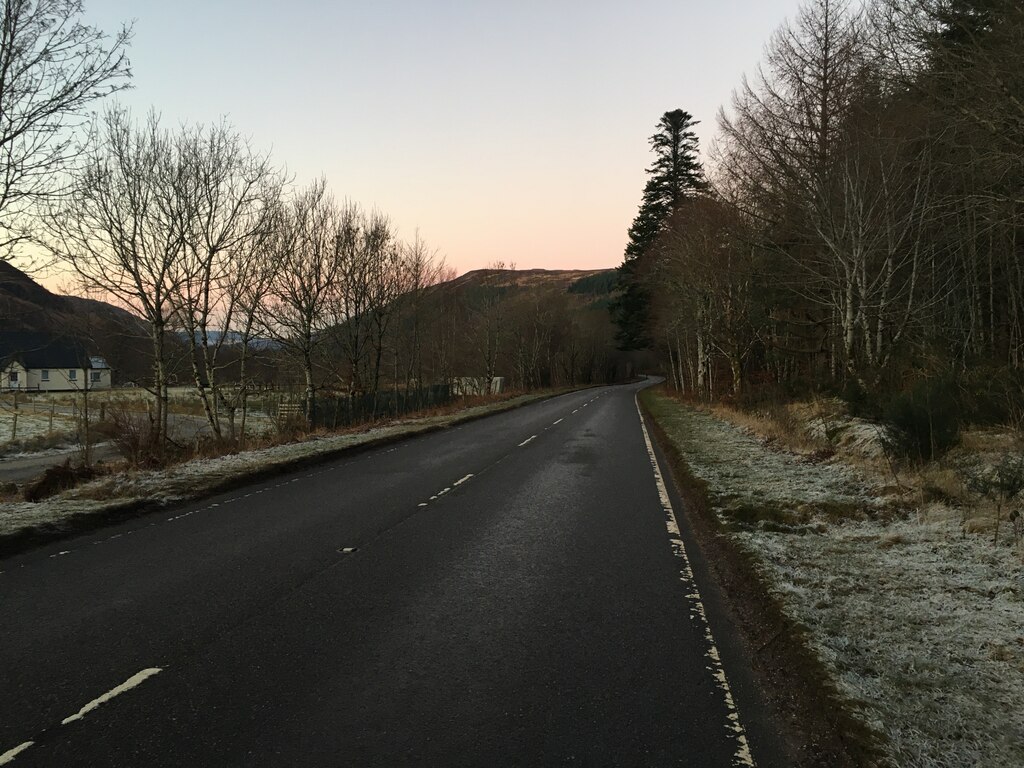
point(41, 350)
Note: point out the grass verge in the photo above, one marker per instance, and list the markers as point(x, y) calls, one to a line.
point(820, 726)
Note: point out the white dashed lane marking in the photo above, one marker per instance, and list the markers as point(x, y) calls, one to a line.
point(527, 440)
point(10, 754)
point(132, 682)
point(137, 679)
point(452, 487)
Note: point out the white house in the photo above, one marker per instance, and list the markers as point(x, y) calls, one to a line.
point(39, 362)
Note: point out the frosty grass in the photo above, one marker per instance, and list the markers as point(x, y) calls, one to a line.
point(31, 425)
point(194, 478)
point(922, 628)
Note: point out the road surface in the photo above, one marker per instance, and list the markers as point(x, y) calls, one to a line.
point(507, 592)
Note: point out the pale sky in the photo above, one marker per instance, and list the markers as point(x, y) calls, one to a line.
point(510, 130)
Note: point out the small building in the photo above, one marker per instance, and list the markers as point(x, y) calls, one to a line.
point(40, 362)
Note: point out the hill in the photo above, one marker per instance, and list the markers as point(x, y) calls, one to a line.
point(576, 290)
point(529, 279)
point(102, 328)
point(536, 327)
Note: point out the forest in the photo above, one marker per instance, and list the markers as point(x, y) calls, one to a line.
point(856, 229)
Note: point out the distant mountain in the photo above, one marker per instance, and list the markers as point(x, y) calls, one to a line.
point(544, 280)
point(102, 328)
point(574, 291)
point(231, 338)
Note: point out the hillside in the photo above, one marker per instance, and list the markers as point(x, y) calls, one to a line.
point(529, 279)
point(574, 290)
point(104, 329)
point(535, 327)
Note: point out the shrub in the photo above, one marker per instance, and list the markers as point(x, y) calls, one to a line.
point(857, 400)
point(132, 434)
point(1001, 483)
point(990, 394)
point(56, 479)
point(924, 422)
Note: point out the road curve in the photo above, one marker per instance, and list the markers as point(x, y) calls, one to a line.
point(512, 591)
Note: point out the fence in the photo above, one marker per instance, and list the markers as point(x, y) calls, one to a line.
point(348, 410)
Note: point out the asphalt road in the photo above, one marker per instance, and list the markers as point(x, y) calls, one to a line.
point(506, 592)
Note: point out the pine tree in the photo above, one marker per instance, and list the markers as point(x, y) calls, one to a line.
point(675, 174)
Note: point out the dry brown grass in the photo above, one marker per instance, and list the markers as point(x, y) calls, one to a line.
point(938, 482)
point(778, 425)
point(9, 492)
point(989, 441)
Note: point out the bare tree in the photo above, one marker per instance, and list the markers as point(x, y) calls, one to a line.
point(52, 68)
point(366, 300)
point(486, 318)
point(254, 268)
point(297, 310)
point(224, 190)
point(421, 268)
point(120, 230)
point(359, 238)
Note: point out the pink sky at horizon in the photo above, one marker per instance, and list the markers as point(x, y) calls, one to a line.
point(512, 132)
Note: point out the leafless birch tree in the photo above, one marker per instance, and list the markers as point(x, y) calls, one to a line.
point(224, 191)
point(119, 228)
point(308, 269)
point(53, 67)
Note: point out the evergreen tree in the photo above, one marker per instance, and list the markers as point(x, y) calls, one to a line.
point(675, 174)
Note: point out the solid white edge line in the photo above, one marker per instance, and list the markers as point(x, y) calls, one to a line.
point(10, 754)
point(137, 679)
point(742, 756)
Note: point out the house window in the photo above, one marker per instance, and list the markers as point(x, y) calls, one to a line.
point(44, 375)
point(13, 377)
point(72, 374)
point(95, 376)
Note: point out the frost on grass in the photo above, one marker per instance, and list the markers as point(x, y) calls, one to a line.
point(200, 476)
point(31, 428)
point(751, 485)
point(922, 627)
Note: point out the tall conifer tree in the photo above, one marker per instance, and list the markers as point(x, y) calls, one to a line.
point(675, 174)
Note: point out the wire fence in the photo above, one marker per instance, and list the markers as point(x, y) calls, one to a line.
point(337, 411)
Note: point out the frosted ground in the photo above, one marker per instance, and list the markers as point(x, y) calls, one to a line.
point(195, 478)
point(31, 428)
point(922, 627)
